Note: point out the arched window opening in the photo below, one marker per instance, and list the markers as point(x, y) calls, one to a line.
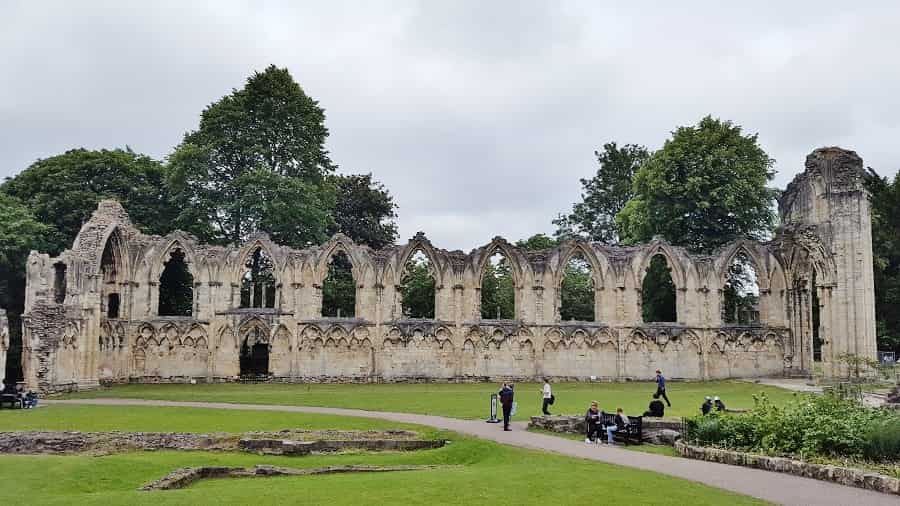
point(254, 355)
point(258, 281)
point(815, 319)
point(417, 287)
point(110, 273)
point(112, 306)
point(576, 297)
point(59, 282)
point(339, 288)
point(498, 298)
point(176, 287)
point(658, 292)
point(740, 303)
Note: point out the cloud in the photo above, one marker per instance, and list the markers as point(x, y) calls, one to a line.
point(480, 117)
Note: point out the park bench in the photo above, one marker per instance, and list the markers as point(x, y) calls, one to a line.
point(11, 399)
point(633, 431)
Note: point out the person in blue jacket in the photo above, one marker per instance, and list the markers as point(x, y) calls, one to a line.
point(661, 387)
point(506, 401)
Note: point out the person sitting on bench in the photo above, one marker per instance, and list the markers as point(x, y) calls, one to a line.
point(592, 424)
point(706, 407)
point(720, 406)
point(621, 423)
point(657, 408)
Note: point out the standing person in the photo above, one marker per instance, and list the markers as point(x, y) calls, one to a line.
point(506, 400)
point(548, 397)
point(592, 424)
point(661, 387)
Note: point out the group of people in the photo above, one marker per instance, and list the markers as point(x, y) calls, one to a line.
point(27, 399)
point(711, 403)
point(593, 424)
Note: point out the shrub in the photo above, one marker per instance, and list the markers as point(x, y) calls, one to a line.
point(825, 426)
point(882, 441)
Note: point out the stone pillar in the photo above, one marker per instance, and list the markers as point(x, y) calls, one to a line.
point(827, 220)
point(4, 343)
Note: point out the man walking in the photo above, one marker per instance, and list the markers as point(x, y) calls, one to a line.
point(506, 400)
point(548, 397)
point(661, 387)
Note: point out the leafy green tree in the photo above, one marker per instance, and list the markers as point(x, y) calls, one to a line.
point(417, 288)
point(704, 188)
point(176, 287)
point(577, 291)
point(20, 232)
point(365, 211)
point(658, 292)
point(885, 199)
point(741, 292)
point(62, 191)
point(604, 195)
point(537, 242)
point(497, 290)
point(338, 288)
point(257, 162)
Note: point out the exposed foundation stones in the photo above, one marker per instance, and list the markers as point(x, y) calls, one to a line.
point(182, 478)
point(289, 442)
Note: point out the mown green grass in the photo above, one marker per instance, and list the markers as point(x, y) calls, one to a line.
point(476, 472)
point(467, 400)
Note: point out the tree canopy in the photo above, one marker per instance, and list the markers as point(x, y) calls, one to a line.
point(257, 162)
point(704, 188)
point(604, 195)
point(364, 211)
point(885, 199)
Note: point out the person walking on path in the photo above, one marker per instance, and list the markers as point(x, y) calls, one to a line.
point(548, 397)
point(661, 387)
point(506, 400)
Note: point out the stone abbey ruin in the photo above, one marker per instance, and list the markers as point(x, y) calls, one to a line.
point(95, 313)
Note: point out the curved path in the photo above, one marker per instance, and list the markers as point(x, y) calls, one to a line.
point(774, 487)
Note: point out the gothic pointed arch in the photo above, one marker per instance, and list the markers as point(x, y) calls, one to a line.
point(499, 275)
point(176, 281)
point(258, 280)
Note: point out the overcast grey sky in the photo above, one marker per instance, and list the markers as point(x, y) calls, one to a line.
point(480, 117)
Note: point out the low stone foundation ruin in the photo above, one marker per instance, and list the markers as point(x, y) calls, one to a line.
point(182, 478)
point(287, 442)
point(94, 313)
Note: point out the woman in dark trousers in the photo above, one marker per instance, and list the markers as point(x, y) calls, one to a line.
point(661, 387)
point(506, 401)
point(592, 424)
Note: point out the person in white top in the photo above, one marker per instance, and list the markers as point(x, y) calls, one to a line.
point(548, 397)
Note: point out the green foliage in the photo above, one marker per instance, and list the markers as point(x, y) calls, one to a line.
point(604, 195)
point(741, 292)
point(417, 288)
point(537, 242)
point(364, 211)
point(256, 163)
point(704, 188)
point(63, 191)
point(885, 200)
point(497, 290)
point(338, 288)
point(824, 425)
point(258, 281)
point(577, 291)
point(658, 292)
point(176, 287)
point(857, 365)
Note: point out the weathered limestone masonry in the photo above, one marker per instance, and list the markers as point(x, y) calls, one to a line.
point(92, 313)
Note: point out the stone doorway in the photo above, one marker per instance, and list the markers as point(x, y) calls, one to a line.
point(254, 357)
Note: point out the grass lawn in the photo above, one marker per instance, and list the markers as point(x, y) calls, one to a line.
point(458, 400)
point(477, 472)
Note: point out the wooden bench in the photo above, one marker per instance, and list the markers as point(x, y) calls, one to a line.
point(12, 399)
point(633, 432)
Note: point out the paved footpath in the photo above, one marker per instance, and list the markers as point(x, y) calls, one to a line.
point(774, 487)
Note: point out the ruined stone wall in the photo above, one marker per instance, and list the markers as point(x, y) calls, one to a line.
point(71, 340)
